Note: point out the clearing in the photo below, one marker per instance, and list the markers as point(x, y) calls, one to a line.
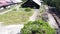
point(16, 16)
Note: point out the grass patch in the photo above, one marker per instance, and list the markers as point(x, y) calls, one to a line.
point(15, 17)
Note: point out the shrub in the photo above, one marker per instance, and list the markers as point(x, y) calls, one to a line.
point(28, 9)
point(24, 0)
point(37, 27)
point(14, 9)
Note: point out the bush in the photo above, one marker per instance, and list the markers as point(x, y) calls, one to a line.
point(28, 9)
point(24, 0)
point(14, 9)
point(37, 27)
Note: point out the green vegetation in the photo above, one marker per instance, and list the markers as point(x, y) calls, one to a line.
point(24, 0)
point(37, 27)
point(54, 3)
point(15, 16)
point(42, 9)
point(28, 9)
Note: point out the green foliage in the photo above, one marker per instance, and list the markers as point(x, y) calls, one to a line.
point(24, 0)
point(54, 3)
point(37, 27)
point(28, 9)
point(14, 9)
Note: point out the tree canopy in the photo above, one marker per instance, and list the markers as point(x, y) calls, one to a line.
point(53, 3)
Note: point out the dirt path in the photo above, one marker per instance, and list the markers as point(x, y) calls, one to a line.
point(51, 20)
point(57, 19)
point(34, 16)
point(56, 16)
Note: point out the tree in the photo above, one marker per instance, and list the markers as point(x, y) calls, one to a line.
point(53, 3)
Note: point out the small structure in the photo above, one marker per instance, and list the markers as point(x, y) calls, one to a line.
point(32, 4)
